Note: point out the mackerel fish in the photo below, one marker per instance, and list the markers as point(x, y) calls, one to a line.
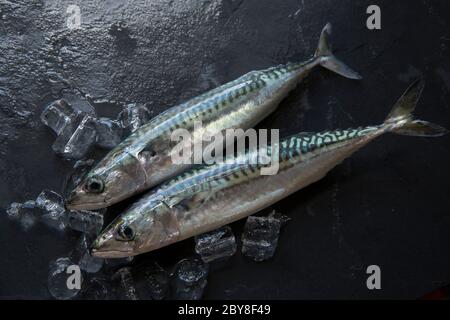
point(144, 159)
point(210, 197)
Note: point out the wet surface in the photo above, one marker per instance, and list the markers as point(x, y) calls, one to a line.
point(387, 205)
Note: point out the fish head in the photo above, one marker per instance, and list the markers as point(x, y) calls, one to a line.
point(140, 229)
point(110, 181)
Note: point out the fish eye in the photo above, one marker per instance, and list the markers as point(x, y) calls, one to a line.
point(125, 233)
point(94, 185)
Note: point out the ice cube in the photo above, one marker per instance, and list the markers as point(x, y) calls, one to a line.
point(83, 163)
point(90, 222)
point(76, 138)
point(96, 288)
point(13, 210)
point(89, 263)
point(109, 133)
point(216, 245)
point(82, 254)
point(29, 214)
point(190, 279)
point(50, 201)
point(280, 217)
point(54, 214)
point(133, 116)
point(61, 284)
point(157, 281)
point(57, 115)
point(25, 213)
point(126, 288)
point(79, 104)
point(260, 237)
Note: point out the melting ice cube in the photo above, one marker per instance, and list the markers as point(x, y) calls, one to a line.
point(126, 288)
point(13, 210)
point(157, 282)
point(82, 255)
point(79, 104)
point(90, 222)
point(25, 213)
point(50, 201)
point(96, 288)
point(219, 244)
point(133, 116)
point(109, 133)
point(57, 115)
point(280, 217)
point(59, 285)
point(76, 138)
point(54, 214)
point(72, 119)
point(260, 237)
point(190, 279)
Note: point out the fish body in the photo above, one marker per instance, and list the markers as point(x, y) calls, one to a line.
point(212, 196)
point(208, 198)
point(144, 159)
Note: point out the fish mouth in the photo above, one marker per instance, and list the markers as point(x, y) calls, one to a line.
point(85, 205)
point(75, 201)
point(105, 246)
point(99, 253)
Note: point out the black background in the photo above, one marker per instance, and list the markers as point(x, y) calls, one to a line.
point(387, 205)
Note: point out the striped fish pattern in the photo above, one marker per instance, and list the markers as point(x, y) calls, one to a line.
point(144, 159)
point(209, 196)
point(206, 106)
point(213, 196)
point(240, 169)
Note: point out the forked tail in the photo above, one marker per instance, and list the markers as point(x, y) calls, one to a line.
point(400, 120)
point(328, 60)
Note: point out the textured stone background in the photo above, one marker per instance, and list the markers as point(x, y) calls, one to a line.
point(387, 205)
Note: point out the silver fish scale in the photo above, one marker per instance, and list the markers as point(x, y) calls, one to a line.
point(203, 179)
point(202, 108)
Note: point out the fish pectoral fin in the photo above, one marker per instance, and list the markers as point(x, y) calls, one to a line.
point(197, 200)
point(154, 150)
point(147, 152)
point(189, 203)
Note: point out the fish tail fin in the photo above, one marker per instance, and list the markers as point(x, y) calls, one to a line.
point(328, 60)
point(401, 121)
